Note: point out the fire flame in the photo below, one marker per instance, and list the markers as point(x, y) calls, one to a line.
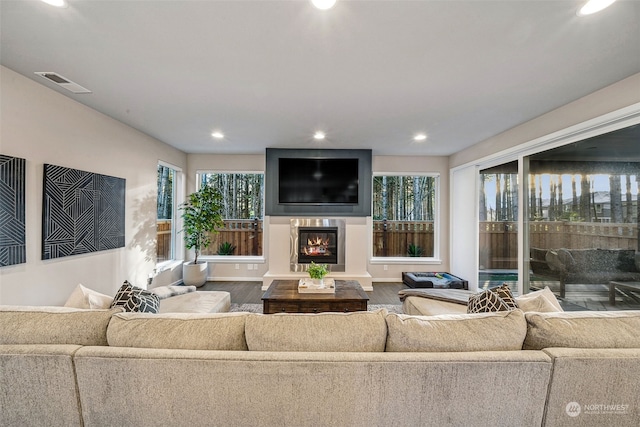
point(318, 241)
point(316, 246)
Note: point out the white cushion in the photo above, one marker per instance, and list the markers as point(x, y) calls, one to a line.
point(197, 302)
point(83, 297)
point(539, 301)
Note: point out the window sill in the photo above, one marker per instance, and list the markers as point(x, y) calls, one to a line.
point(233, 259)
point(404, 260)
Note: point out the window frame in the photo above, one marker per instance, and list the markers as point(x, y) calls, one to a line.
point(436, 258)
point(236, 259)
point(178, 197)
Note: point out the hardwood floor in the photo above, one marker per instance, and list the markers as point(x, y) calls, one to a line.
point(578, 297)
point(251, 292)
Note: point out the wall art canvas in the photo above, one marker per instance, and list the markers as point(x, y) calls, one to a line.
point(12, 211)
point(82, 212)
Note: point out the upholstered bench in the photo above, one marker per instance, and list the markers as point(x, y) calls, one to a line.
point(173, 299)
point(197, 302)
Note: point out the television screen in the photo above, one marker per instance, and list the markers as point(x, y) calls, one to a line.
point(319, 181)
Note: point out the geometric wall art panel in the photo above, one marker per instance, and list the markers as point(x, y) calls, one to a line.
point(12, 211)
point(82, 212)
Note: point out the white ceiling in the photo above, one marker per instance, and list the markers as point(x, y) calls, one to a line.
point(370, 74)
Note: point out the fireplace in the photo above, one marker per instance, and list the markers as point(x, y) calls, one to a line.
point(318, 244)
point(317, 240)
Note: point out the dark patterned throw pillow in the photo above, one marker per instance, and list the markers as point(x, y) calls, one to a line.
point(136, 299)
point(504, 292)
point(485, 302)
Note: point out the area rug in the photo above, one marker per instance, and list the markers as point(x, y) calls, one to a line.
point(257, 308)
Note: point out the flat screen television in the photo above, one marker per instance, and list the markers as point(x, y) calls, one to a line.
point(318, 182)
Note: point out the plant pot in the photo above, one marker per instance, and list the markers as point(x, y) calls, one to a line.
point(318, 282)
point(194, 274)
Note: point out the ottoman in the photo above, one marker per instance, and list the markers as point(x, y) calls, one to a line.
point(197, 302)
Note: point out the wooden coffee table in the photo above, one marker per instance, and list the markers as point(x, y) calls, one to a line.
point(283, 297)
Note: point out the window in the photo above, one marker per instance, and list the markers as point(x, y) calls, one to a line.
point(498, 226)
point(404, 208)
point(243, 195)
point(165, 224)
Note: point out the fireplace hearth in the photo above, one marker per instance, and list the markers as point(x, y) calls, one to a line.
point(317, 240)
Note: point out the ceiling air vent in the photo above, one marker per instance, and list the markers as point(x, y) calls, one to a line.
point(62, 82)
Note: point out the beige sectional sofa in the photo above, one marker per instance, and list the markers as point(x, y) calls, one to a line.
point(66, 367)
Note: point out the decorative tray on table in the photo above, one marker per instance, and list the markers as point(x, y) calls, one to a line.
point(307, 286)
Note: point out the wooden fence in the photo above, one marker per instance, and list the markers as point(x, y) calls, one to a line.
point(498, 243)
point(163, 248)
point(245, 235)
point(499, 240)
point(392, 238)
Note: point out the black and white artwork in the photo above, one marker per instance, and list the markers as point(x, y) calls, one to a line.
point(12, 211)
point(82, 212)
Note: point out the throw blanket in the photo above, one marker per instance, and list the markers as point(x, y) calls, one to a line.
point(456, 296)
point(171, 291)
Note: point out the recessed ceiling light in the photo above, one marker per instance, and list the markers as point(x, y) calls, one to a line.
point(217, 135)
point(319, 135)
point(323, 4)
point(420, 137)
point(56, 3)
point(594, 6)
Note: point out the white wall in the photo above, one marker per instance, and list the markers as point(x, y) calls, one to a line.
point(611, 98)
point(43, 126)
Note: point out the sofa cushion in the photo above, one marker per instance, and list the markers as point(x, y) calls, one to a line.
point(487, 301)
point(583, 329)
point(361, 331)
point(541, 301)
point(83, 297)
point(499, 331)
point(187, 331)
point(135, 299)
point(54, 325)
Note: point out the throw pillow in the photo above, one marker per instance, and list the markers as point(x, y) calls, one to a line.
point(541, 301)
point(83, 297)
point(486, 302)
point(135, 299)
point(504, 292)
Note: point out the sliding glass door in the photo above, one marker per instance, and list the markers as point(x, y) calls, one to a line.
point(498, 226)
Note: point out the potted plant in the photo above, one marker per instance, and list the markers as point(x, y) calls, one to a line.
point(201, 215)
point(226, 248)
point(317, 272)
